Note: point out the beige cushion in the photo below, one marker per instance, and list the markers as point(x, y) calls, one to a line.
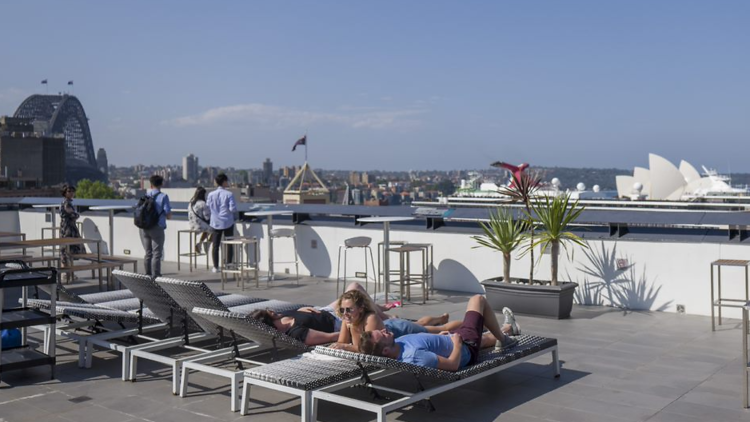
point(282, 233)
point(357, 242)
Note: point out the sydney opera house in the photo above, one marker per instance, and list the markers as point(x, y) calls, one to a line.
point(665, 181)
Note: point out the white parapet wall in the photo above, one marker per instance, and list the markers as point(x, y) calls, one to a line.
point(636, 275)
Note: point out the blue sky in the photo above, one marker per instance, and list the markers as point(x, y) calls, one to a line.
point(392, 84)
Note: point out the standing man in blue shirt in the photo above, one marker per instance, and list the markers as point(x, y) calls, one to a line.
point(153, 238)
point(222, 206)
point(447, 352)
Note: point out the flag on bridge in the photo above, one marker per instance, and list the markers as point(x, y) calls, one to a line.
point(70, 82)
point(44, 82)
point(300, 141)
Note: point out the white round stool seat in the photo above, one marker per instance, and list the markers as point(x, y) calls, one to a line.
point(357, 242)
point(282, 232)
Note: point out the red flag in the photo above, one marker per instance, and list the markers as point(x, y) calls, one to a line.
point(300, 141)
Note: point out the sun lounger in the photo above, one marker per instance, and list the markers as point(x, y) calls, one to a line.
point(161, 303)
point(299, 375)
point(490, 362)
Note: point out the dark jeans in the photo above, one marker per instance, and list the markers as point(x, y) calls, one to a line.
point(217, 235)
point(153, 242)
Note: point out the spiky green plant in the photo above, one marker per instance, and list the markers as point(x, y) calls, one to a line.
point(555, 215)
point(502, 233)
point(522, 190)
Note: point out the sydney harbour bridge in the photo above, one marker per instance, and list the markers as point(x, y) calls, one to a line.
point(63, 115)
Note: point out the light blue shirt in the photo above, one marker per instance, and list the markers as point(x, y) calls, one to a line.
point(424, 349)
point(163, 206)
point(222, 206)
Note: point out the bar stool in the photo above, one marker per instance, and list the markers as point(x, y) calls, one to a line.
point(717, 301)
point(288, 234)
point(428, 258)
point(381, 253)
point(406, 277)
point(242, 264)
point(362, 242)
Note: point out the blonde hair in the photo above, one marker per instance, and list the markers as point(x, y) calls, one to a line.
point(361, 300)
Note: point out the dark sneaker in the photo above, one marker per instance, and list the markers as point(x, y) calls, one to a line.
point(509, 343)
point(510, 319)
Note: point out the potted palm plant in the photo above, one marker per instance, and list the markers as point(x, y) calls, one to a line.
point(552, 216)
point(504, 234)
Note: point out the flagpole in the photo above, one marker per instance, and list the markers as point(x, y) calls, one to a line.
point(305, 146)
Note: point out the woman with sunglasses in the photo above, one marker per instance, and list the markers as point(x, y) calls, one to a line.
point(359, 314)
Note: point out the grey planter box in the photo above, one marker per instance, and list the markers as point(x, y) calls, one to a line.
point(546, 301)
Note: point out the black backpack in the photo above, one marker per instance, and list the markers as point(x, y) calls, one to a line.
point(146, 216)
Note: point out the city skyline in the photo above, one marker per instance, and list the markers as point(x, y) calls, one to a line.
point(395, 86)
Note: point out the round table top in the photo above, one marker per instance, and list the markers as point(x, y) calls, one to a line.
point(46, 206)
point(111, 207)
point(239, 240)
point(268, 213)
point(384, 219)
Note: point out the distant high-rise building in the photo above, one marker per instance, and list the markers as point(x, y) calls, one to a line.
point(365, 178)
point(354, 178)
point(268, 172)
point(28, 159)
point(190, 168)
point(356, 197)
point(102, 163)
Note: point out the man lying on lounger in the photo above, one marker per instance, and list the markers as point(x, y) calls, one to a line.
point(447, 352)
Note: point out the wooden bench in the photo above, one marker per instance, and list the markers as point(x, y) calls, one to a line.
point(109, 258)
point(102, 265)
point(51, 261)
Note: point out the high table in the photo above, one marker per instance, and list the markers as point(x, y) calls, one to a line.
point(112, 209)
point(269, 224)
point(386, 243)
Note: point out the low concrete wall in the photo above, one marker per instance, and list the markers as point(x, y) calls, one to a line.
point(658, 275)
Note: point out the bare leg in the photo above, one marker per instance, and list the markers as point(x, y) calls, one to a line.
point(450, 326)
point(479, 304)
point(433, 320)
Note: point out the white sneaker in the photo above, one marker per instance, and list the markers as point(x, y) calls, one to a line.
point(215, 270)
point(515, 328)
point(509, 343)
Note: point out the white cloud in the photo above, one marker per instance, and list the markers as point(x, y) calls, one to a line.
point(275, 116)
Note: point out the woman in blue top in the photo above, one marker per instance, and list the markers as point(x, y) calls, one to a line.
point(358, 313)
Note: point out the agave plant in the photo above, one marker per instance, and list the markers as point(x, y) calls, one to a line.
point(555, 215)
point(503, 233)
point(522, 189)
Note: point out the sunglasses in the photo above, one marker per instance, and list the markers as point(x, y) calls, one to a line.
point(343, 311)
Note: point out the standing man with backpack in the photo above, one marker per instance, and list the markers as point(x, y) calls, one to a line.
point(151, 216)
point(222, 206)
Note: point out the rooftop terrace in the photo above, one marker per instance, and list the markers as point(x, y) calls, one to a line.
point(617, 366)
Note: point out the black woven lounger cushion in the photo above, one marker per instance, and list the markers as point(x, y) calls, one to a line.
point(273, 304)
point(102, 314)
point(192, 294)
point(158, 302)
point(306, 372)
point(249, 328)
point(488, 359)
point(106, 296)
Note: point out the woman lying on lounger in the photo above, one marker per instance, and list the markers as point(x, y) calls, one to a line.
point(314, 326)
point(359, 314)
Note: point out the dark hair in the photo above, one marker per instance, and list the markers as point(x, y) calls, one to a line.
point(67, 188)
point(220, 179)
point(368, 346)
point(263, 316)
point(156, 181)
point(199, 195)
